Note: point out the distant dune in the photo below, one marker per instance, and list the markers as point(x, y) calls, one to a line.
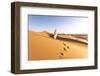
point(82, 38)
point(42, 46)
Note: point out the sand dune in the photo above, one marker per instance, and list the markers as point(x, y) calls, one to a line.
point(76, 38)
point(43, 47)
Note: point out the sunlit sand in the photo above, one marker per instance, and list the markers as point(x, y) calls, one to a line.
point(42, 46)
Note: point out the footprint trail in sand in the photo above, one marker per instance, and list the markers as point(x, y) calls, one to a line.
point(65, 48)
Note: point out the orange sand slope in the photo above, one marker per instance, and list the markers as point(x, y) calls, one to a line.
point(43, 47)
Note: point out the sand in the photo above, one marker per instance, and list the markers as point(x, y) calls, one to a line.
point(43, 47)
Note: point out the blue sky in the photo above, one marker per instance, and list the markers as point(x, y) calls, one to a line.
point(63, 24)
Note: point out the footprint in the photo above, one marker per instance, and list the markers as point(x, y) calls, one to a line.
point(62, 54)
point(65, 49)
point(68, 47)
point(64, 44)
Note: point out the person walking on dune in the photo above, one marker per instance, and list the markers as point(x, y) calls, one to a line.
point(55, 34)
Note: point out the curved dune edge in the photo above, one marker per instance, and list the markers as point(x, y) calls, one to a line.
point(74, 39)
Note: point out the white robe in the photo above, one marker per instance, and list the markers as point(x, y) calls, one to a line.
point(55, 34)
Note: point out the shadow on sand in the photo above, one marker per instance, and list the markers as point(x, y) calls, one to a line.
point(66, 39)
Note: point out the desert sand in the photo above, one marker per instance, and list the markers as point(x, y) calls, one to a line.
point(41, 46)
